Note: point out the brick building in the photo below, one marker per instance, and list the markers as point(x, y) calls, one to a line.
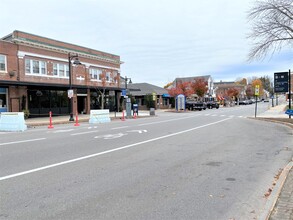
point(34, 75)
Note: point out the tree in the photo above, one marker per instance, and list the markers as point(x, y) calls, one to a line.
point(259, 83)
point(272, 26)
point(233, 92)
point(199, 86)
point(181, 88)
point(107, 79)
point(241, 81)
point(168, 85)
point(249, 91)
point(267, 83)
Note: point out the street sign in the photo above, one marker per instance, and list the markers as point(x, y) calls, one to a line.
point(289, 112)
point(256, 90)
point(281, 82)
point(123, 92)
point(70, 93)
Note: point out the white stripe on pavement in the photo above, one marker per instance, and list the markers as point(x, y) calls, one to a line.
point(24, 141)
point(106, 152)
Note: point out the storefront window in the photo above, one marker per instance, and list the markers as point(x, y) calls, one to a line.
point(3, 100)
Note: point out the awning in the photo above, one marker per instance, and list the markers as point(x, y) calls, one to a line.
point(166, 95)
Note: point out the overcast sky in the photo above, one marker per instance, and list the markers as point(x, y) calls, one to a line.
point(158, 40)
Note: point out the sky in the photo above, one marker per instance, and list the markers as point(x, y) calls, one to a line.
point(158, 40)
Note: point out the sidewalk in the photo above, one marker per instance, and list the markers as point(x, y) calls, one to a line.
point(280, 205)
point(43, 121)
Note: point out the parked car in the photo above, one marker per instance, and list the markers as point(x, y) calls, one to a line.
point(212, 104)
point(195, 105)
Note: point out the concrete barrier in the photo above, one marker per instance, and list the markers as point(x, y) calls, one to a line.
point(99, 116)
point(12, 121)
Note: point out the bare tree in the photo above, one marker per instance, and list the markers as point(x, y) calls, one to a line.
point(272, 26)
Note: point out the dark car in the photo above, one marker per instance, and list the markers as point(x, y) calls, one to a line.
point(212, 104)
point(195, 105)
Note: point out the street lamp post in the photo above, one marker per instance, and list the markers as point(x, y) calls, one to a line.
point(76, 62)
point(126, 80)
point(128, 102)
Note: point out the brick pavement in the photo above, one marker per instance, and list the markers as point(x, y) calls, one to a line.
point(283, 209)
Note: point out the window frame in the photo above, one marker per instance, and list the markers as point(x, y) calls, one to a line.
point(5, 64)
point(34, 66)
point(61, 67)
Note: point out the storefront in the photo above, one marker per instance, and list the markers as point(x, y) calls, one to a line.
point(3, 99)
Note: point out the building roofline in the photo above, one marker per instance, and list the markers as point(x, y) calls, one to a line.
point(22, 40)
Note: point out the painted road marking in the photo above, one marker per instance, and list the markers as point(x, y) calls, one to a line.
point(24, 141)
point(107, 152)
point(158, 122)
point(139, 131)
point(62, 131)
point(119, 127)
point(86, 132)
point(110, 136)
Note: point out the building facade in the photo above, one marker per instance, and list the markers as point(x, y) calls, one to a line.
point(142, 91)
point(210, 94)
point(35, 76)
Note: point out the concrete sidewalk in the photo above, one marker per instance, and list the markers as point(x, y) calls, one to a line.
point(43, 121)
point(280, 203)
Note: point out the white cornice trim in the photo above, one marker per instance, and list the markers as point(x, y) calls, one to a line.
point(22, 54)
point(65, 51)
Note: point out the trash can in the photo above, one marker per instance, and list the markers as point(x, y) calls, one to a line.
point(152, 111)
point(135, 108)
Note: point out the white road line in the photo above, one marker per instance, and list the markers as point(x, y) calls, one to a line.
point(223, 115)
point(106, 152)
point(24, 141)
point(62, 131)
point(119, 127)
point(158, 122)
point(86, 132)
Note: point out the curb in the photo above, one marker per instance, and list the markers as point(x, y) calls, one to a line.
point(271, 202)
point(274, 120)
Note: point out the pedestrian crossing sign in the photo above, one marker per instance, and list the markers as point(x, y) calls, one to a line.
point(256, 90)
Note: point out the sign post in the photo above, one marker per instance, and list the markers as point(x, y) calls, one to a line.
point(256, 93)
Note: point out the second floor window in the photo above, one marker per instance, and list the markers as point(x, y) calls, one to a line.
point(3, 63)
point(35, 67)
point(95, 73)
point(61, 70)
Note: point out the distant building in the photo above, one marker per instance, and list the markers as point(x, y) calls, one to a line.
point(210, 94)
point(34, 75)
point(221, 89)
point(140, 90)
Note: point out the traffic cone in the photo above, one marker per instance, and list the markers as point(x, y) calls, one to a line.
point(134, 115)
point(76, 119)
point(50, 125)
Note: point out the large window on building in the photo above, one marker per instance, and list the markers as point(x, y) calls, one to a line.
point(3, 65)
point(36, 67)
point(95, 73)
point(61, 70)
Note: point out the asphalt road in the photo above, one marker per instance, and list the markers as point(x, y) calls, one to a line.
point(213, 164)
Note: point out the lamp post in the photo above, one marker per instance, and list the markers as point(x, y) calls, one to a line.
point(70, 91)
point(126, 80)
point(128, 102)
